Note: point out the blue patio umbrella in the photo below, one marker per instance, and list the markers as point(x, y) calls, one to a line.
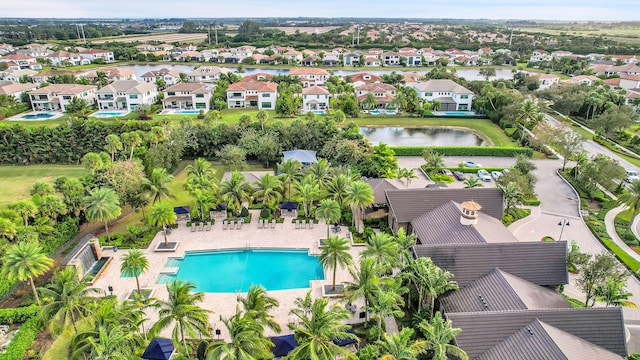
point(158, 349)
point(282, 345)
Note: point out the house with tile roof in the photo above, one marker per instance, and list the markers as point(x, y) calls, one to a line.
point(170, 76)
point(126, 95)
point(14, 75)
point(187, 96)
point(546, 80)
point(310, 76)
point(207, 74)
point(56, 97)
point(20, 61)
point(62, 57)
point(113, 74)
point(252, 94)
point(16, 89)
point(363, 78)
point(315, 98)
point(451, 95)
point(45, 76)
point(94, 54)
point(384, 93)
point(584, 79)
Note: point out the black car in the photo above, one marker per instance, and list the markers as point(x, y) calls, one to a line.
point(458, 175)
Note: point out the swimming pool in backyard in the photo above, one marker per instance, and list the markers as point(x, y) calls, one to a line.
point(225, 271)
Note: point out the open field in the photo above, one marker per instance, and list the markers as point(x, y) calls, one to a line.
point(164, 38)
point(16, 181)
point(305, 30)
point(623, 33)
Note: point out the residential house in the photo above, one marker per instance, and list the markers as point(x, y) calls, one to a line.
point(35, 50)
point(384, 93)
point(315, 98)
point(351, 59)
point(390, 58)
point(188, 56)
point(331, 59)
point(169, 76)
point(207, 74)
point(584, 79)
point(561, 53)
point(16, 89)
point(126, 95)
point(312, 60)
point(45, 76)
point(187, 96)
point(95, 54)
point(209, 55)
point(61, 58)
point(19, 61)
point(292, 57)
point(539, 55)
point(412, 77)
point(632, 97)
point(310, 76)
point(13, 75)
point(6, 48)
point(113, 74)
point(546, 80)
point(411, 58)
point(252, 94)
point(450, 95)
point(372, 61)
point(627, 69)
point(363, 78)
point(257, 77)
point(56, 97)
point(376, 51)
point(186, 47)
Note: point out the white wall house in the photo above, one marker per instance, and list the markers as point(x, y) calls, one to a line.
point(61, 57)
point(252, 94)
point(315, 98)
point(310, 76)
point(126, 95)
point(169, 76)
point(94, 54)
point(384, 93)
point(547, 80)
point(207, 74)
point(16, 89)
point(450, 95)
point(187, 96)
point(56, 97)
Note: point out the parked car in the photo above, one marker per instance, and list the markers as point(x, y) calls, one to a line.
point(496, 174)
point(484, 175)
point(505, 171)
point(447, 172)
point(472, 164)
point(459, 175)
point(632, 176)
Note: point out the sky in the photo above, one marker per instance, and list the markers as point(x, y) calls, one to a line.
point(460, 9)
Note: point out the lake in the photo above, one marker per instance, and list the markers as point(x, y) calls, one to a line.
point(426, 136)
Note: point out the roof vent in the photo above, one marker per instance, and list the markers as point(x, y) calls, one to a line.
point(483, 301)
point(530, 331)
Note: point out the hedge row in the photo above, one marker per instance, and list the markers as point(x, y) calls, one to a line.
point(18, 315)
point(22, 340)
point(463, 150)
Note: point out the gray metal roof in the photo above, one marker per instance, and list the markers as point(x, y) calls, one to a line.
point(408, 204)
point(379, 186)
point(304, 156)
point(442, 226)
point(499, 291)
point(482, 331)
point(541, 341)
point(542, 263)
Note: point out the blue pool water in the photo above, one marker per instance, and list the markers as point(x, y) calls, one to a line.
point(236, 270)
point(318, 111)
point(108, 113)
point(455, 113)
point(189, 112)
point(374, 112)
point(38, 116)
point(391, 112)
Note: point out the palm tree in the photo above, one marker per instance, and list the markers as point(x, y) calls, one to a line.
point(400, 346)
point(105, 344)
point(184, 78)
point(359, 196)
point(157, 186)
point(513, 196)
point(307, 191)
point(527, 112)
point(182, 311)
point(68, 299)
point(366, 282)
point(613, 293)
point(407, 175)
point(438, 337)
point(320, 172)
point(290, 171)
point(132, 139)
point(404, 241)
point(329, 211)
point(103, 204)
point(338, 188)
point(24, 261)
point(162, 214)
point(317, 330)
point(631, 198)
point(262, 116)
point(383, 249)
point(26, 209)
point(101, 79)
point(472, 182)
point(204, 200)
point(339, 116)
point(269, 189)
point(247, 341)
point(369, 102)
point(200, 167)
point(7, 229)
point(431, 281)
point(386, 304)
point(334, 253)
point(257, 305)
point(134, 263)
point(235, 190)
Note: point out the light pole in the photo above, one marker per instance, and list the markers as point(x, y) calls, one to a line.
point(564, 222)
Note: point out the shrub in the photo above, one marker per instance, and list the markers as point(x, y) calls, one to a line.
point(441, 178)
point(366, 234)
point(463, 150)
point(244, 212)
point(265, 213)
point(22, 340)
point(534, 201)
point(18, 315)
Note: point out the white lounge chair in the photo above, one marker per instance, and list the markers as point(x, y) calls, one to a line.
point(193, 227)
point(225, 224)
point(297, 224)
point(304, 224)
point(310, 224)
point(209, 224)
point(273, 223)
point(240, 224)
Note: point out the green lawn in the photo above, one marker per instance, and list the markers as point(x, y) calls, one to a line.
point(59, 349)
point(16, 181)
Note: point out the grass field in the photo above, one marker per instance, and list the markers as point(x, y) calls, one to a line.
point(16, 181)
point(164, 38)
point(618, 32)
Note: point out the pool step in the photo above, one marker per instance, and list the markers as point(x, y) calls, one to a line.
point(165, 278)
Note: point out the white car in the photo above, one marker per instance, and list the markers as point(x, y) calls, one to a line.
point(484, 175)
point(632, 176)
point(496, 174)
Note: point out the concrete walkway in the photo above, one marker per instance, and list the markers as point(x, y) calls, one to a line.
point(609, 221)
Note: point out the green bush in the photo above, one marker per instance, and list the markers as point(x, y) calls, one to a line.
point(265, 213)
point(18, 315)
point(441, 178)
point(463, 150)
point(22, 340)
point(244, 212)
point(534, 201)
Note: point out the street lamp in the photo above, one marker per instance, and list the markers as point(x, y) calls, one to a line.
point(564, 222)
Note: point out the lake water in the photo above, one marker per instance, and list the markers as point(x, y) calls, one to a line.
point(428, 136)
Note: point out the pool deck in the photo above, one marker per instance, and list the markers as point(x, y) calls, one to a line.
point(283, 236)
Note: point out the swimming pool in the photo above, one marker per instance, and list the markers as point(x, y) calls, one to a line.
point(190, 112)
point(109, 113)
point(225, 271)
point(374, 112)
point(319, 112)
point(455, 113)
point(38, 116)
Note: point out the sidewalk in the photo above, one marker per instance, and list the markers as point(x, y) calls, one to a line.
point(609, 221)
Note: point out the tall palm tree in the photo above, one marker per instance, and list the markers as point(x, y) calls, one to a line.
point(438, 337)
point(181, 311)
point(68, 299)
point(526, 113)
point(333, 253)
point(432, 281)
point(404, 241)
point(359, 197)
point(329, 211)
point(290, 171)
point(257, 305)
point(26, 209)
point(134, 263)
point(315, 332)
point(101, 79)
point(162, 214)
point(369, 102)
point(113, 144)
point(631, 198)
point(247, 340)
point(201, 167)
point(262, 116)
point(235, 190)
point(106, 344)
point(204, 200)
point(320, 172)
point(156, 186)
point(131, 139)
point(338, 188)
point(387, 303)
point(269, 189)
point(383, 249)
point(613, 293)
point(366, 282)
point(400, 346)
point(307, 192)
point(24, 261)
point(407, 175)
point(103, 204)
point(513, 196)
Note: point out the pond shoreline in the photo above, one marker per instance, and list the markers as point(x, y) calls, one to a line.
point(486, 139)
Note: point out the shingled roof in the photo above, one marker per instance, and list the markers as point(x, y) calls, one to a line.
point(408, 204)
point(442, 226)
point(542, 263)
point(482, 331)
point(501, 291)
